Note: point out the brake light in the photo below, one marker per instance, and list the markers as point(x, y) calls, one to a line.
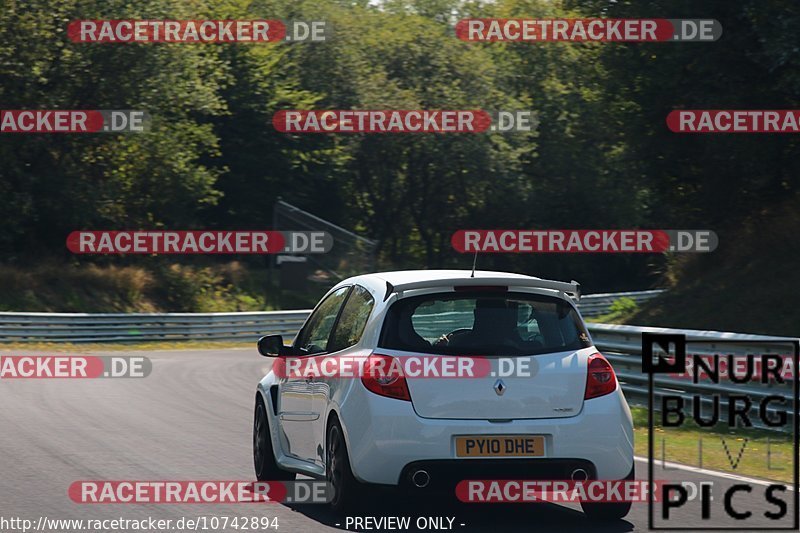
point(480, 288)
point(600, 377)
point(383, 375)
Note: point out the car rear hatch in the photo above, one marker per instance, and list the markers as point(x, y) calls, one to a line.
point(544, 386)
point(530, 353)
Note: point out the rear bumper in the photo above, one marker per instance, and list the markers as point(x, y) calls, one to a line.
point(387, 439)
point(446, 473)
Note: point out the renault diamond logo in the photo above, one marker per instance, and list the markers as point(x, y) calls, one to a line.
point(499, 387)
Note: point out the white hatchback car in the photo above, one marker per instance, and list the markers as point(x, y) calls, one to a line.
point(566, 417)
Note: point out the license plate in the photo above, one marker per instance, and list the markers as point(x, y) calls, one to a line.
point(500, 446)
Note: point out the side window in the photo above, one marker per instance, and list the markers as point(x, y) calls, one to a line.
point(314, 337)
point(353, 320)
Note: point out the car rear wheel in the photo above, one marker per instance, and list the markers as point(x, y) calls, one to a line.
point(346, 488)
point(263, 455)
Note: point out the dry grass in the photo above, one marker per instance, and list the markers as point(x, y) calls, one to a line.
point(749, 284)
point(165, 287)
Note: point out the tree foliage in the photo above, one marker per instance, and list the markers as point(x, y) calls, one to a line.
point(601, 157)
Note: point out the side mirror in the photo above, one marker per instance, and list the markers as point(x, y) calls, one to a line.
point(271, 346)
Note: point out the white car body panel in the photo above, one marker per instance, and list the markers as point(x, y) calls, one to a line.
point(383, 435)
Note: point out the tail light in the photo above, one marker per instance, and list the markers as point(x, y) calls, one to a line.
point(600, 377)
point(383, 375)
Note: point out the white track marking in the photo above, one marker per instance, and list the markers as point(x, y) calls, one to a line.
point(713, 473)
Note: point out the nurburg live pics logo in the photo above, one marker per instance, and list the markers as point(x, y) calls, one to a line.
point(766, 407)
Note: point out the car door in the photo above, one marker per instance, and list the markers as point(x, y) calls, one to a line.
point(346, 333)
point(296, 394)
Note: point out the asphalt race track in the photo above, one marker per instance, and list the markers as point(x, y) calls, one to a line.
point(191, 420)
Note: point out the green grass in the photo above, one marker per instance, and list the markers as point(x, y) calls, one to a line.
point(619, 312)
point(762, 449)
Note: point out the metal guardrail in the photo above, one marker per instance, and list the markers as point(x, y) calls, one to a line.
point(138, 327)
point(144, 327)
point(620, 344)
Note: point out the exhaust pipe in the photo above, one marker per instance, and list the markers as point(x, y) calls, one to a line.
point(579, 474)
point(420, 479)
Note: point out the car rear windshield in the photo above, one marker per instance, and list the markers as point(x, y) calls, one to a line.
point(481, 323)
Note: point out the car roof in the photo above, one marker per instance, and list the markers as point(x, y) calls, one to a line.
point(399, 277)
point(404, 280)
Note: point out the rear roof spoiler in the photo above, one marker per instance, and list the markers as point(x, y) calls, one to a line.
point(572, 288)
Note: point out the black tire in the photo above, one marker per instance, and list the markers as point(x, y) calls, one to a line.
point(263, 456)
point(608, 511)
point(346, 488)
